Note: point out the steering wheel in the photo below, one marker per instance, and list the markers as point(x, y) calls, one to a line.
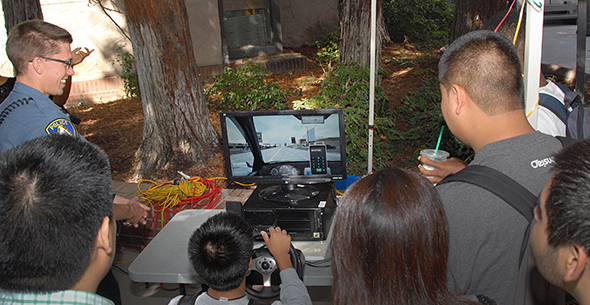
point(265, 271)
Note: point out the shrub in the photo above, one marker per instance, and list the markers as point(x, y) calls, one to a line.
point(328, 49)
point(422, 117)
point(246, 88)
point(128, 73)
point(347, 87)
point(399, 133)
point(418, 20)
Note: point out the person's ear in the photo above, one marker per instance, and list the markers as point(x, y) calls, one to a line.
point(248, 271)
point(458, 97)
point(576, 262)
point(103, 239)
point(38, 66)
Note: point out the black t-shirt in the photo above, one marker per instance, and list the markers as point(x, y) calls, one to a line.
point(6, 88)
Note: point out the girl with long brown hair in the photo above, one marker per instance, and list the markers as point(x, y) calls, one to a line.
point(390, 243)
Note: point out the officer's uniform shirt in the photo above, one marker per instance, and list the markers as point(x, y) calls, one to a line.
point(28, 114)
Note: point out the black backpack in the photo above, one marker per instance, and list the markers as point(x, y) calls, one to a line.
point(577, 128)
point(571, 112)
point(561, 110)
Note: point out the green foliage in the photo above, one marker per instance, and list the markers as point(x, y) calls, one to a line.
point(247, 89)
point(399, 133)
point(328, 50)
point(418, 20)
point(347, 86)
point(422, 117)
point(128, 73)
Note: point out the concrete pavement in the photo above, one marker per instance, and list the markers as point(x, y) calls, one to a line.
point(559, 45)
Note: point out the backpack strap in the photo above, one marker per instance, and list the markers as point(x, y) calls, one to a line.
point(512, 192)
point(518, 197)
point(571, 100)
point(554, 105)
point(188, 299)
point(563, 87)
point(565, 141)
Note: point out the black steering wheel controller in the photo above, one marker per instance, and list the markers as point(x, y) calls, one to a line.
point(265, 271)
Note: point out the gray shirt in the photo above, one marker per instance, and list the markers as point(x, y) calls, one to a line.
point(485, 232)
point(293, 292)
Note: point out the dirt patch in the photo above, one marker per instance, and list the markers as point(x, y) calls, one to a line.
point(117, 127)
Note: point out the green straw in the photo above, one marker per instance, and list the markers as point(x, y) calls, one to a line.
point(438, 143)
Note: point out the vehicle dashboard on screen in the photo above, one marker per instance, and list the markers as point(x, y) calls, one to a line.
point(270, 147)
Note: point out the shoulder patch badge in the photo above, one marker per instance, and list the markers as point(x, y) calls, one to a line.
point(61, 126)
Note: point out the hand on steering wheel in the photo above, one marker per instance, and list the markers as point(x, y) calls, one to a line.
point(266, 267)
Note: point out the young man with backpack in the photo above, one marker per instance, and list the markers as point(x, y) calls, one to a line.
point(220, 250)
point(482, 102)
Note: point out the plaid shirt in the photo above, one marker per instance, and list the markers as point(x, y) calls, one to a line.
point(65, 297)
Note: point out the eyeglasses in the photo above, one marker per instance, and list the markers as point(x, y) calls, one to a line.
point(68, 63)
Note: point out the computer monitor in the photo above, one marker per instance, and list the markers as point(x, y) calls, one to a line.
point(284, 147)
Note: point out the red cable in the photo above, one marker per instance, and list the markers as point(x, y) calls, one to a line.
point(509, 10)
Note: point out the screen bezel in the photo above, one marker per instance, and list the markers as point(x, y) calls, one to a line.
point(299, 179)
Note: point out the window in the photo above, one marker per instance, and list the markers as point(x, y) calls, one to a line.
point(251, 27)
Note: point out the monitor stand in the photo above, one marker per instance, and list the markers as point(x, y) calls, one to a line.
point(288, 193)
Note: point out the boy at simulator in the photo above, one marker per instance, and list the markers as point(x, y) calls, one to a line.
point(220, 250)
point(560, 237)
point(57, 231)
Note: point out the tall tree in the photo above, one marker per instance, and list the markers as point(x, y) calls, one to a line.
point(355, 32)
point(16, 11)
point(176, 119)
point(470, 15)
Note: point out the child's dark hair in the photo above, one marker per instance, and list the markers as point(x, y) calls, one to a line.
point(220, 251)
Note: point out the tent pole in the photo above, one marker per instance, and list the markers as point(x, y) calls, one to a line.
point(532, 59)
point(372, 85)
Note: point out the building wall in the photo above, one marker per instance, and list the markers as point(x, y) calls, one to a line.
point(96, 79)
point(304, 21)
point(203, 18)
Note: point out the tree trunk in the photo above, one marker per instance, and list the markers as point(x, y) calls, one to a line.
point(470, 15)
point(176, 119)
point(17, 11)
point(355, 32)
